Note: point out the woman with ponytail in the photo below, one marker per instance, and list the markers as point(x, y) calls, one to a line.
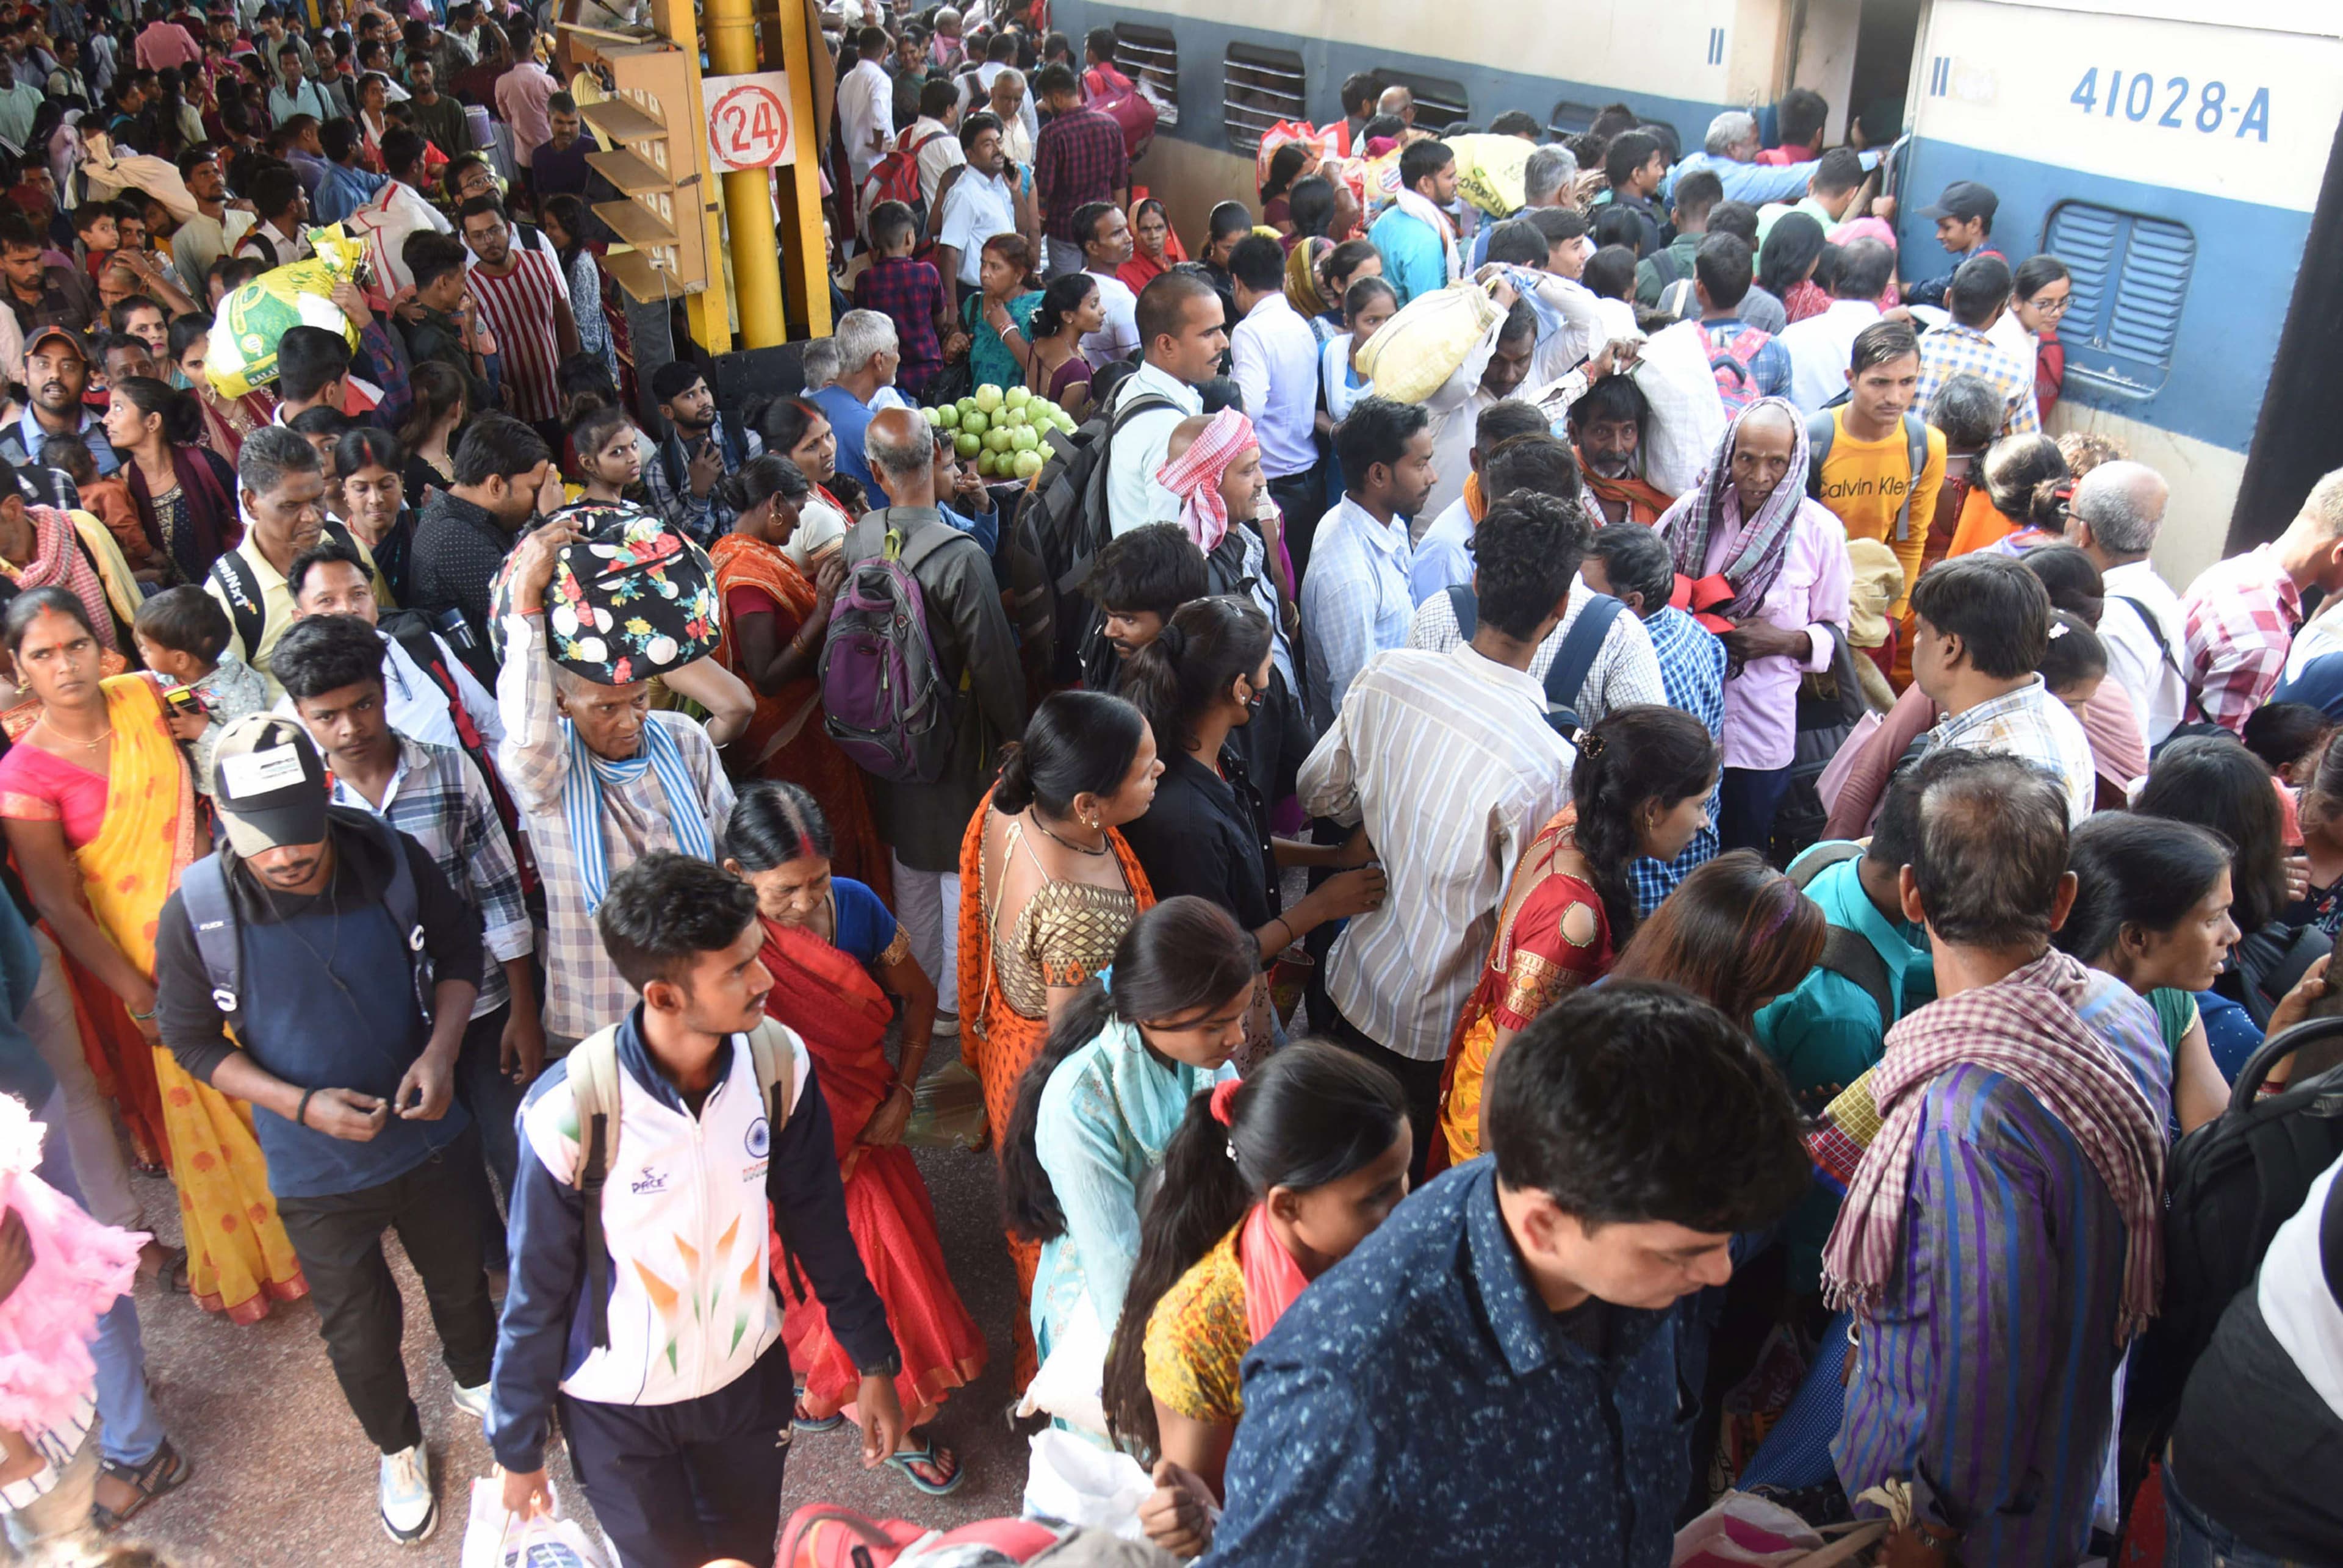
point(2024, 492)
point(1202, 684)
point(837, 957)
point(775, 617)
point(1639, 787)
point(1097, 1109)
point(1268, 1183)
point(1047, 889)
point(1070, 309)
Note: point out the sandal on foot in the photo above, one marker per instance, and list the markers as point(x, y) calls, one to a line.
point(800, 1419)
point(904, 1459)
point(158, 1477)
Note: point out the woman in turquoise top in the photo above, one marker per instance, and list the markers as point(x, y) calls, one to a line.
point(1003, 303)
point(1098, 1106)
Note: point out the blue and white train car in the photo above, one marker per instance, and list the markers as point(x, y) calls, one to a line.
point(2179, 155)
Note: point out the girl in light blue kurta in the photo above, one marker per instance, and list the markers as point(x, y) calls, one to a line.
point(1096, 1110)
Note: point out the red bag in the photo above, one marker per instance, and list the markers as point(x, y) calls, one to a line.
point(823, 1536)
point(1120, 100)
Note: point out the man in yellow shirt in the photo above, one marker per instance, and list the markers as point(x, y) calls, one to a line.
point(1876, 465)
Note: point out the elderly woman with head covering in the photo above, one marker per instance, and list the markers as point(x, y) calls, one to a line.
point(1772, 564)
point(1155, 247)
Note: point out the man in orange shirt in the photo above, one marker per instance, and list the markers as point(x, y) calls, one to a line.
point(1877, 465)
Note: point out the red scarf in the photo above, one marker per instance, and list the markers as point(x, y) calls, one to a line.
point(1272, 1278)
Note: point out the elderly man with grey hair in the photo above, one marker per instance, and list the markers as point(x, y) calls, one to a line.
point(1729, 152)
point(1548, 179)
point(976, 670)
point(868, 352)
point(2114, 517)
point(1398, 103)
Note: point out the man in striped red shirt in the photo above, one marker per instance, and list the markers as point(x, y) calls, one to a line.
point(525, 304)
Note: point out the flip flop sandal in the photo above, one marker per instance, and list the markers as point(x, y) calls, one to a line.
point(159, 1477)
point(903, 1459)
point(800, 1420)
point(174, 1272)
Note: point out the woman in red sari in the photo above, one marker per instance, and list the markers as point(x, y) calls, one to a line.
point(825, 937)
point(774, 620)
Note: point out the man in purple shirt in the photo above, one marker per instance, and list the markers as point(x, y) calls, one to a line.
point(559, 167)
point(1078, 159)
point(2000, 1242)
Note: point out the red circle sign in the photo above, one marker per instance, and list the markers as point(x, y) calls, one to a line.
point(748, 126)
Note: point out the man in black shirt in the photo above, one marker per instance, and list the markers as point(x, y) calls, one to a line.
point(503, 474)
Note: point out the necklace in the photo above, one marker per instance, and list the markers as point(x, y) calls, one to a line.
point(1078, 849)
point(100, 739)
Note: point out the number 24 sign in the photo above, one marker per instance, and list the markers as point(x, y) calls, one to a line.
point(749, 125)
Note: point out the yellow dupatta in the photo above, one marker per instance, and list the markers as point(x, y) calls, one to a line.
point(239, 1256)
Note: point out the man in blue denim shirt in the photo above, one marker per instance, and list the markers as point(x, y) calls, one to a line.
point(1493, 1375)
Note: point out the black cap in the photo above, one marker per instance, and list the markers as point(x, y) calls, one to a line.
point(268, 784)
point(1965, 199)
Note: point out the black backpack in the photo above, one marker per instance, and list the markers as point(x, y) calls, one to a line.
point(2228, 1186)
point(1829, 706)
point(1067, 510)
point(1572, 661)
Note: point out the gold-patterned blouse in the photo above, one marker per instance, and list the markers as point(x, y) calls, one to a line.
point(1197, 1337)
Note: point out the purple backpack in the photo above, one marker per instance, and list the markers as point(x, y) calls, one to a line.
point(881, 689)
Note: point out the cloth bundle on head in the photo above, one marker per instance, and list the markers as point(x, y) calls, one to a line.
point(630, 598)
point(1877, 584)
point(1301, 290)
point(1194, 476)
point(1713, 504)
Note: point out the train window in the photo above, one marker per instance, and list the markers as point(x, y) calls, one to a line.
point(1570, 119)
point(1261, 87)
point(1438, 101)
point(2131, 281)
point(1150, 57)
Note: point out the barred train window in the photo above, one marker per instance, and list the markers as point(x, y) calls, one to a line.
point(1150, 57)
point(2131, 281)
point(1570, 119)
point(1260, 87)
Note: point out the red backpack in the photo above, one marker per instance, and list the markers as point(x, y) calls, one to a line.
point(1119, 98)
point(896, 178)
point(1730, 358)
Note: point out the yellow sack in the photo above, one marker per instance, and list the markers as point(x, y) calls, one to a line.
point(1413, 354)
point(1488, 171)
point(243, 351)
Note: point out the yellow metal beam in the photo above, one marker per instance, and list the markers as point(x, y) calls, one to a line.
point(748, 193)
point(807, 258)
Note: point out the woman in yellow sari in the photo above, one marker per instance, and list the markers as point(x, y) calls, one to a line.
point(1047, 889)
point(100, 816)
point(1640, 787)
point(774, 622)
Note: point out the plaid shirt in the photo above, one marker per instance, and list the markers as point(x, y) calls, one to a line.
point(2240, 617)
point(910, 293)
point(1080, 158)
point(667, 480)
point(436, 797)
point(1954, 349)
point(2034, 726)
point(1692, 668)
point(584, 990)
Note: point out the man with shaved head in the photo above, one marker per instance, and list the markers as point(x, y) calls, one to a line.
point(977, 669)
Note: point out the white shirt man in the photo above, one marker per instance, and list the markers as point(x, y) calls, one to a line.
point(1133, 497)
point(2138, 659)
point(1625, 671)
point(1275, 361)
point(940, 149)
point(1119, 338)
point(976, 207)
point(1821, 347)
point(866, 116)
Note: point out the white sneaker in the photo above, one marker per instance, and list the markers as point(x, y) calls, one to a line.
point(409, 1511)
point(473, 1401)
point(947, 1026)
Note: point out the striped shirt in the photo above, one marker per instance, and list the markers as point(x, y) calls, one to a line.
point(584, 990)
point(2240, 620)
point(437, 797)
point(1990, 1361)
point(1355, 600)
point(520, 309)
point(1626, 670)
point(2032, 725)
point(1448, 759)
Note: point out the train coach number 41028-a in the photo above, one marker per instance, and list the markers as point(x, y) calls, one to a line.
point(2174, 104)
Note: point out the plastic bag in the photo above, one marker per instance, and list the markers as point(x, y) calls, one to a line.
point(1740, 1529)
point(253, 319)
point(1412, 355)
point(946, 1110)
point(1688, 415)
point(494, 1538)
point(1320, 142)
point(1072, 1382)
point(1079, 1482)
point(1488, 171)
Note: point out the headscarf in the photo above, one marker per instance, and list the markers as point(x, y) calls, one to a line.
point(1143, 269)
point(58, 562)
point(1695, 516)
point(1194, 476)
point(1302, 275)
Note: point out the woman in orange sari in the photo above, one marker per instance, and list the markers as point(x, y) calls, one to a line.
point(826, 938)
point(1047, 887)
point(2024, 488)
point(774, 622)
point(100, 816)
point(1640, 787)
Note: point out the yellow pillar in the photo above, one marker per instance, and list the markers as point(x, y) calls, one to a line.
point(748, 193)
point(808, 256)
